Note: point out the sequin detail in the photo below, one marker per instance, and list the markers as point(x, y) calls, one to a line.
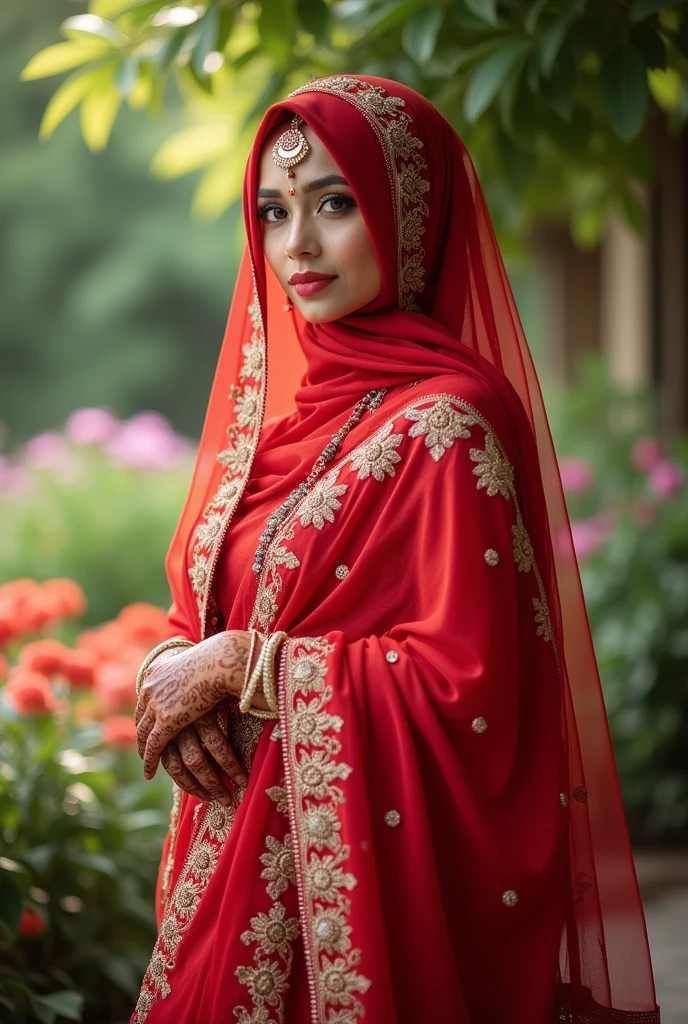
point(491, 557)
point(510, 898)
point(392, 818)
point(341, 572)
point(479, 725)
point(392, 657)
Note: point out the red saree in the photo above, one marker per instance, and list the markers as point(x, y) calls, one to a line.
point(433, 830)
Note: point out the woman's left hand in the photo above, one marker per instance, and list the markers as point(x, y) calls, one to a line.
point(178, 689)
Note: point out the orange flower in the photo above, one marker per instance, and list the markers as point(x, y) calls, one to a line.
point(30, 693)
point(27, 603)
point(115, 686)
point(79, 668)
point(65, 598)
point(45, 656)
point(119, 731)
point(144, 624)
point(31, 924)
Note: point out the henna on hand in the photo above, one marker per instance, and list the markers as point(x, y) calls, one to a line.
point(178, 690)
point(171, 760)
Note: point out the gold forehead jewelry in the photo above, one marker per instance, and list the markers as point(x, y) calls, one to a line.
point(290, 149)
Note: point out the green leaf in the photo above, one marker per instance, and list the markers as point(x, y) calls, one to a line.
point(11, 902)
point(486, 10)
point(98, 112)
point(650, 45)
point(276, 26)
point(488, 78)
point(207, 28)
point(314, 15)
point(558, 88)
point(126, 77)
point(641, 9)
point(419, 34)
point(533, 15)
point(553, 37)
point(91, 26)
point(66, 98)
point(53, 60)
point(58, 1004)
point(667, 89)
point(623, 81)
point(172, 45)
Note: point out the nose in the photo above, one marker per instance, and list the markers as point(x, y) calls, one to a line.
point(301, 240)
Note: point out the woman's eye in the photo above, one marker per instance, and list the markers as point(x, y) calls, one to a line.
point(264, 213)
point(341, 203)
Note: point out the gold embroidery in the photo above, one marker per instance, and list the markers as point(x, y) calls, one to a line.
point(273, 931)
point(314, 798)
point(493, 469)
point(405, 166)
point(278, 795)
point(242, 431)
point(523, 549)
point(441, 424)
point(278, 864)
point(320, 504)
point(544, 625)
point(378, 455)
point(201, 860)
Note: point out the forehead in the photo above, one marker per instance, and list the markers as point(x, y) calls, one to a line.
point(317, 162)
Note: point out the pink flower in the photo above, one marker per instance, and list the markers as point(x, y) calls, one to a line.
point(91, 426)
point(576, 474)
point(45, 449)
point(590, 534)
point(646, 453)
point(119, 731)
point(147, 441)
point(666, 478)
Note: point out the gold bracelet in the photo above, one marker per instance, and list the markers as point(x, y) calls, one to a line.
point(269, 691)
point(252, 685)
point(247, 671)
point(176, 641)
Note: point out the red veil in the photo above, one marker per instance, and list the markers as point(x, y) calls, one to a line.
point(445, 317)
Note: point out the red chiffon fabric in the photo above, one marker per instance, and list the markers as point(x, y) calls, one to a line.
point(434, 829)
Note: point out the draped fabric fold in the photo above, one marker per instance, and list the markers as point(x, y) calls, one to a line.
point(433, 830)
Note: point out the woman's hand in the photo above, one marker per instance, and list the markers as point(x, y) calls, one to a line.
point(178, 690)
point(186, 760)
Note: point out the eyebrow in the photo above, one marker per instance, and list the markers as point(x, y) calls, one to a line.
point(329, 179)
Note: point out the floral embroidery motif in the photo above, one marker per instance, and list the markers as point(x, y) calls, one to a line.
point(378, 455)
point(314, 767)
point(405, 167)
point(493, 469)
point(237, 457)
point(273, 931)
point(201, 860)
point(523, 549)
point(441, 424)
point(542, 619)
point(279, 864)
point(320, 504)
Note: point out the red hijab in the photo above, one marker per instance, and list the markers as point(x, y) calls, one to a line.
point(445, 307)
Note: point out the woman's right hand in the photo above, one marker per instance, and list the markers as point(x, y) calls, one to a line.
point(186, 762)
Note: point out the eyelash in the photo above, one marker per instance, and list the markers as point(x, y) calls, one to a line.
point(347, 200)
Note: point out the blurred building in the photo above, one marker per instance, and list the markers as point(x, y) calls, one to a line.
point(628, 298)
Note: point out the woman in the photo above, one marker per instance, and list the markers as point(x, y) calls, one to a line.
point(432, 830)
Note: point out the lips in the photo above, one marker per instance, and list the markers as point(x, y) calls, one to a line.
point(310, 282)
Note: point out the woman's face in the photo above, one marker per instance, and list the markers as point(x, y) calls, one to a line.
point(317, 231)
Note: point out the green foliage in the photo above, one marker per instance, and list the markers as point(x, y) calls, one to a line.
point(80, 840)
point(635, 579)
point(551, 96)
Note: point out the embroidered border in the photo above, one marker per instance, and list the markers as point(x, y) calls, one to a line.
point(243, 433)
point(405, 164)
point(313, 768)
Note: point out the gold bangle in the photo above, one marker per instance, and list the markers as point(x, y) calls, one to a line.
point(259, 713)
point(177, 641)
point(247, 671)
point(252, 685)
point(269, 691)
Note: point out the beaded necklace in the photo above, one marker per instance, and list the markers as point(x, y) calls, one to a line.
point(371, 402)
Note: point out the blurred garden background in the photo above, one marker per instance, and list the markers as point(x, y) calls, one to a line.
point(124, 129)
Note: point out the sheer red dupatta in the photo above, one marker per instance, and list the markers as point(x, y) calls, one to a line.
point(446, 307)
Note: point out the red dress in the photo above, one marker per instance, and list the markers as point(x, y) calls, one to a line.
point(425, 834)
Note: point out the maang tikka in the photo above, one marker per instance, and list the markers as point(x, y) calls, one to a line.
point(290, 149)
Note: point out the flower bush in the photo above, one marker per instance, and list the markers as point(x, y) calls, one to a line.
point(627, 493)
point(96, 502)
point(80, 831)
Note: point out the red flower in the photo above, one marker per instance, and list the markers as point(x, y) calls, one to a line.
point(105, 642)
point(115, 685)
point(65, 598)
point(79, 668)
point(31, 924)
point(44, 656)
point(119, 731)
point(144, 624)
point(30, 692)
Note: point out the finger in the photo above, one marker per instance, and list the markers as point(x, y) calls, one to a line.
point(155, 744)
point(143, 729)
point(172, 762)
point(197, 763)
point(218, 746)
point(142, 699)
